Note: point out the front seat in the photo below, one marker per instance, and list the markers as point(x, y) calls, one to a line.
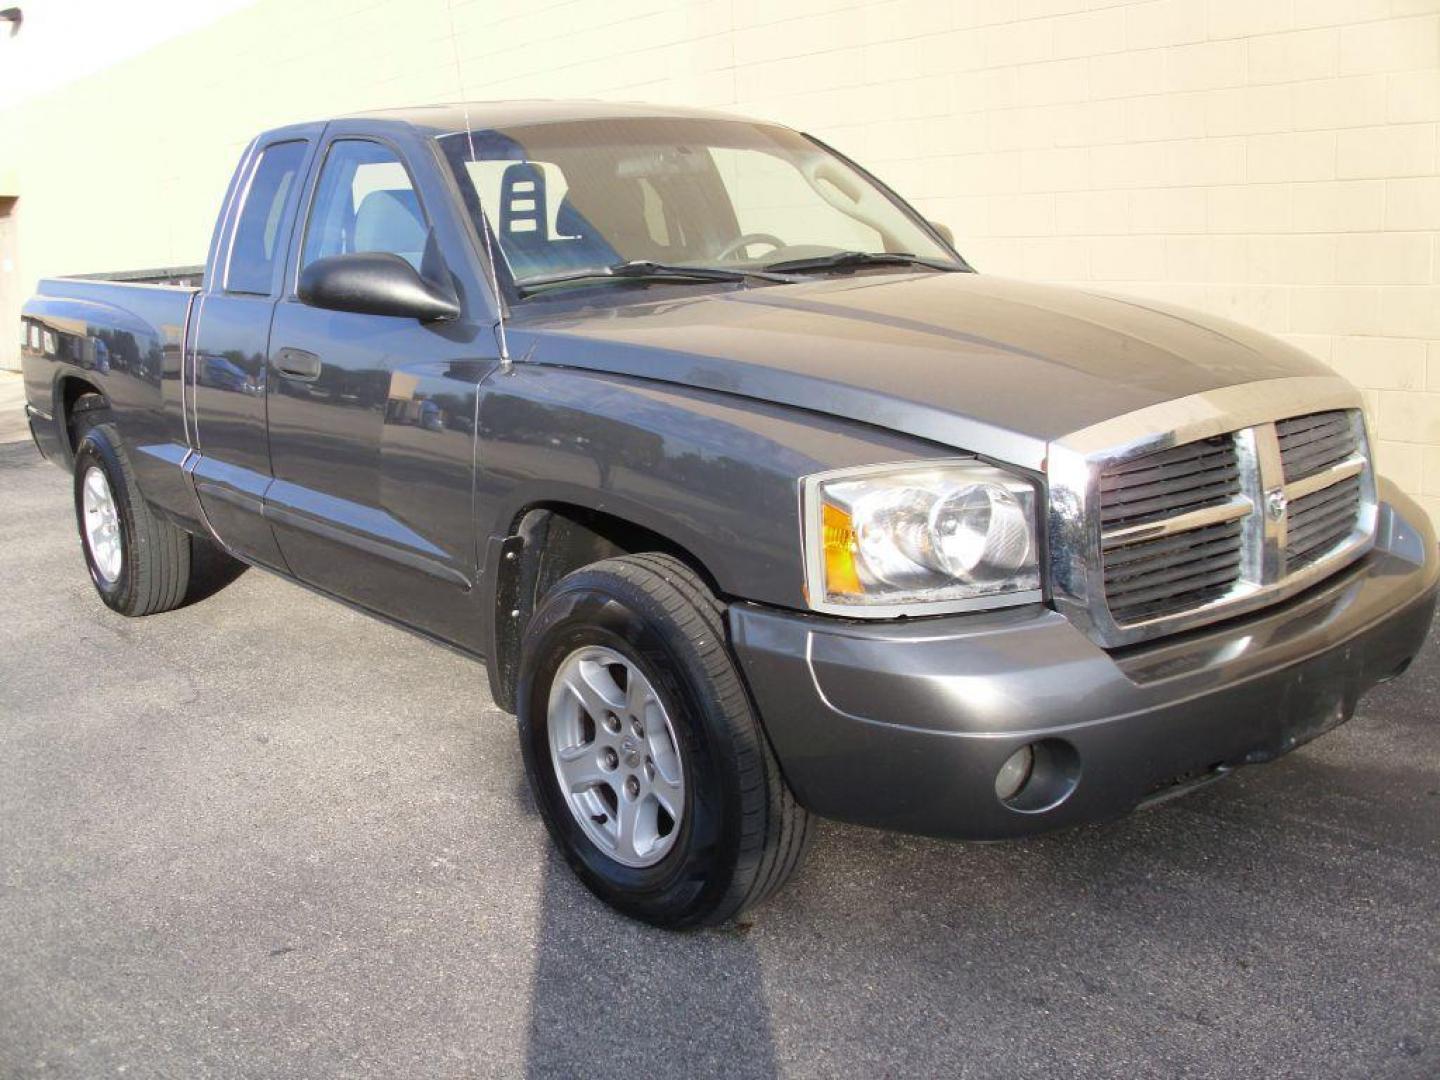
point(390, 220)
point(523, 213)
point(578, 242)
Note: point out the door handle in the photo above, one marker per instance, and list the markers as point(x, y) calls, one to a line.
point(298, 364)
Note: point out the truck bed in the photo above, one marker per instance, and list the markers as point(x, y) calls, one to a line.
point(189, 276)
point(104, 328)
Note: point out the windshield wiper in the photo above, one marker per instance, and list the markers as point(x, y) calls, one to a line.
point(640, 269)
point(843, 260)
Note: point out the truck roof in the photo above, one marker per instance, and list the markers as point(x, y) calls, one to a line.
point(442, 119)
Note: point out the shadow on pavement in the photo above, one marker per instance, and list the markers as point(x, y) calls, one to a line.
point(611, 997)
point(210, 571)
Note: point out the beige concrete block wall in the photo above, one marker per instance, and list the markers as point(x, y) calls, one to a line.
point(1274, 161)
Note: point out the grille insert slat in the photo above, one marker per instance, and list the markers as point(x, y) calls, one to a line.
point(1166, 485)
point(1169, 482)
point(1321, 520)
point(1323, 431)
point(1172, 573)
point(1175, 579)
point(1187, 544)
point(1317, 502)
point(1166, 599)
point(1311, 424)
point(1332, 525)
point(1167, 505)
point(1311, 444)
point(1148, 471)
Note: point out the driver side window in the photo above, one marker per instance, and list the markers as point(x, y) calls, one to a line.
point(364, 202)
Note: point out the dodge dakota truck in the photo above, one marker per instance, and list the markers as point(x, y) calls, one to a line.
point(756, 500)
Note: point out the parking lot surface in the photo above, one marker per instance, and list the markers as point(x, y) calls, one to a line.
point(266, 836)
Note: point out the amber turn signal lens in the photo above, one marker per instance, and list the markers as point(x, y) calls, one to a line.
point(841, 577)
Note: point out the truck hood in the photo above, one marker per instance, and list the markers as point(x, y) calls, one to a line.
point(980, 363)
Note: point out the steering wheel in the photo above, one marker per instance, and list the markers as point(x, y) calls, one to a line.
point(736, 247)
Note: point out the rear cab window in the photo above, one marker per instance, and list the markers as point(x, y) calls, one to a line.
point(258, 245)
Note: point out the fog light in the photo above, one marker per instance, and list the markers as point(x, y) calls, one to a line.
point(1015, 773)
point(1039, 776)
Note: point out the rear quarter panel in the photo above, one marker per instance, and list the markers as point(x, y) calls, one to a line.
point(127, 342)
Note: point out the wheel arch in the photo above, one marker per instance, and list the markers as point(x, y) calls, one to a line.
point(69, 392)
point(546, 541)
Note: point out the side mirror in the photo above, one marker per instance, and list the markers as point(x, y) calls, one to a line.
point(376, 283)
point(944, 231)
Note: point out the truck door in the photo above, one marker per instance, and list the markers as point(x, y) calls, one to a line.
point(227, 366)
point(372, 417)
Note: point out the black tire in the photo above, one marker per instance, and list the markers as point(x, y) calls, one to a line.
point(154, 571)
point(742, 833)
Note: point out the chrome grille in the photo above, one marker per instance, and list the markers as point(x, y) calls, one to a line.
point(1154, 530)
point(1180, 545)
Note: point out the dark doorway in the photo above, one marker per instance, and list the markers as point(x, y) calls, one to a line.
point(9, 287)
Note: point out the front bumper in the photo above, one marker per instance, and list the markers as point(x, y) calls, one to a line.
point(903, 725)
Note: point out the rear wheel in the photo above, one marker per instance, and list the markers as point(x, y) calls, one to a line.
point(647, 760)
point(138, 562)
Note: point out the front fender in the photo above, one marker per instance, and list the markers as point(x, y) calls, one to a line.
point(714, 474)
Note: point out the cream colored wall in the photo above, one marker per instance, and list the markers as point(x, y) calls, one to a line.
point(1271, 160)
point(66, 40)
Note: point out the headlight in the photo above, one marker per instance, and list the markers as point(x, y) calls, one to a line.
point(920, 539)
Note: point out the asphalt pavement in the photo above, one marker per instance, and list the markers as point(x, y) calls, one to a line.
point(266, 836)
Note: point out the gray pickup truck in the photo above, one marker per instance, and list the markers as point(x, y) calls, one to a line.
point(756, 500)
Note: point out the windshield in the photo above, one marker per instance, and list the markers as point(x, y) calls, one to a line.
point(562, 198)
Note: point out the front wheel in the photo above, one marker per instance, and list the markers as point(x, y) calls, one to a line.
point(650, 768)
